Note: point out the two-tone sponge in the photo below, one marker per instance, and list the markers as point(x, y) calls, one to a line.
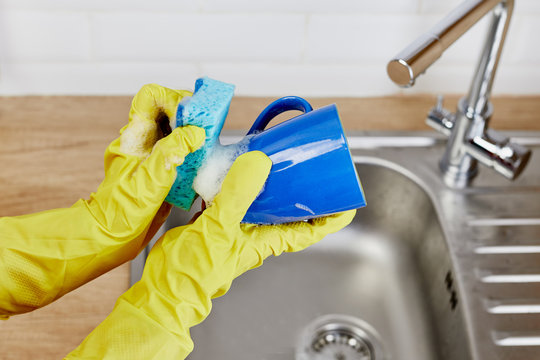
point(207, 108)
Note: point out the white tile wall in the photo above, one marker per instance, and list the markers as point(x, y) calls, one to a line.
point(103, 5)
point(360, 38)
point(197, 37)
point(265, 47)
point(30, 36)
point(265, 79)
point(92, 78)
point(312, 6)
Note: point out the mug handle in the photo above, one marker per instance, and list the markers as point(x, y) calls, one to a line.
point(277, 107)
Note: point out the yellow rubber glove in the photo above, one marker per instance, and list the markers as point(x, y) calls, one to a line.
point(45, 255)
point(192, 264)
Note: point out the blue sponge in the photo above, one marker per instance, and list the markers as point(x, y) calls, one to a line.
point(207, 108)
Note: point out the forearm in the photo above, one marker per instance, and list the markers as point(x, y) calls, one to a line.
point(155, 315)
point(146, 324)
point(45, 255)
point(128, 333)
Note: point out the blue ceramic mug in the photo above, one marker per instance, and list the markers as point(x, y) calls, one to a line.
point(312, 174)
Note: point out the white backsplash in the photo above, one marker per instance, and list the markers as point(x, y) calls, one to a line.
point(265, 47)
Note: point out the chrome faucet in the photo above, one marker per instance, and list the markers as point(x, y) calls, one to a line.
point(470, 140)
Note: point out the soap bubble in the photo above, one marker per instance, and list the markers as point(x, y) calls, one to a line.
point(212, 172)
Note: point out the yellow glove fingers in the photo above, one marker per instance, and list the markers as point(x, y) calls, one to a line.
point(318, 229)
point(137, 195)
point(276, 239)
point(241, 186)
point(160, 167)
point(153, 179)
point(153, 109)
point(153, 99)
point(304, 234)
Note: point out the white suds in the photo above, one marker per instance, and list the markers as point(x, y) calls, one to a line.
point(211, 174)
point(173, 160)
point(139, 138)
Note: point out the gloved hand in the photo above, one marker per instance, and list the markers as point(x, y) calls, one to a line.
point(192, 264)
point(45, 255)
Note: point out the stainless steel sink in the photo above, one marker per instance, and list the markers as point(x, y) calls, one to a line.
point(423, 272)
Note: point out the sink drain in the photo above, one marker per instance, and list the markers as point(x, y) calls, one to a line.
point(341, 344)
point(339, 337)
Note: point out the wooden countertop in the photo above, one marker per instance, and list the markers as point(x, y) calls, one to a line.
point(51, 154)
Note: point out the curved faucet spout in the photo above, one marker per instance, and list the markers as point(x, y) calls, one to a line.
point(412, 61)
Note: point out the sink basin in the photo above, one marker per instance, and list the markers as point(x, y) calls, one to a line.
point(404, 281)
point(388, 269)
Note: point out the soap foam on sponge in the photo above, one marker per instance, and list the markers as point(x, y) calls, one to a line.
point(211, 174)
point(207, 108)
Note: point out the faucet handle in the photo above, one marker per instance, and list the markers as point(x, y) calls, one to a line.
point(497, 151)
point(441, 119)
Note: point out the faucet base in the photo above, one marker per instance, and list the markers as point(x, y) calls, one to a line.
point(459, 177)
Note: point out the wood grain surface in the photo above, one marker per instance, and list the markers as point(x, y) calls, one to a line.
point(51, 154)
point(400, 113)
